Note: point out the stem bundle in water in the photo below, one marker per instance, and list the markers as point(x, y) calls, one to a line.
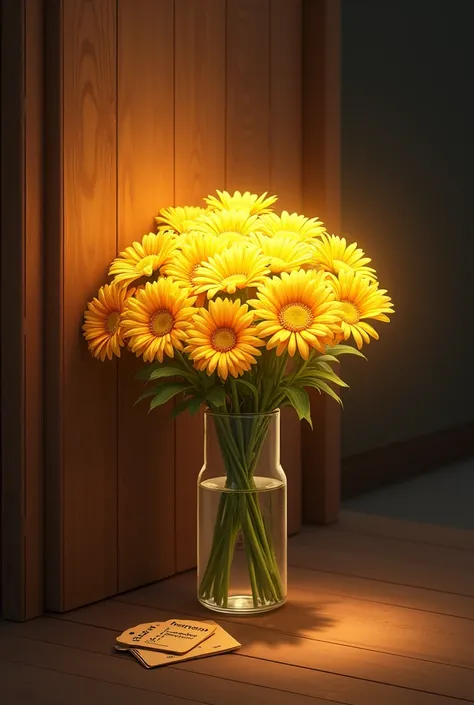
point(239, 512)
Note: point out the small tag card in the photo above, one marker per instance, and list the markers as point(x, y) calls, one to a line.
point(218, 643)
point(176, 636)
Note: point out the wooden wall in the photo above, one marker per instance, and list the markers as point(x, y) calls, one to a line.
point(151, 103)
point(21, 477)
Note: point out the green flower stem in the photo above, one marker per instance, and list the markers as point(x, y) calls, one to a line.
point(241, 511)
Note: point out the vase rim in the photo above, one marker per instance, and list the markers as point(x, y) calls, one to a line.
point(243, 415)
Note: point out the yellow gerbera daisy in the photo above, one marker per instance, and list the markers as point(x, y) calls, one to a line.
point(282, 254)
point(195, 250)
point(102, 327)
point(247, 201)
point(332, 254)
point(156, 318)
point(360, 299)
point(293, 226)
point(237, 267)
point(298, 312)
point(142, 259)
point(223, 338)
point(180, 219)
point(231, 225)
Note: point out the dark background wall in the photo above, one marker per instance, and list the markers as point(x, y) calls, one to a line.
point(407, 199)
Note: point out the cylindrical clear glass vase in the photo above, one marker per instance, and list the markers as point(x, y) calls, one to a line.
point(242, 534)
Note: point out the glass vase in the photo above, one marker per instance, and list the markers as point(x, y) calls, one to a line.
point(242, 534)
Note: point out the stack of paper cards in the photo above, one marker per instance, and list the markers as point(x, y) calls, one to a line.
point(159, 643)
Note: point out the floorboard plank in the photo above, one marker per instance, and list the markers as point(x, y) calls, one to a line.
point(231, 670)
point(290, 649)
point(316, 610)
point(384, 558)
point(23, 683)
point(405, 530)
point(88, 651)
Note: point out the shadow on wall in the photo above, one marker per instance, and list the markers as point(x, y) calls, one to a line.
point(407, 200)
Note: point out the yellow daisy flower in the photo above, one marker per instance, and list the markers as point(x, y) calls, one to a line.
point(237, 267)
point(298, 312)
point(282, 254)
point(156, 318)
point(231, 225)
point(142, 259)
point(332, 254)
point(223, 338)
point(293, 226)
point(360, 299)
point(196, 249)
point(180, 219)
point(102, 327)
point(236, 201)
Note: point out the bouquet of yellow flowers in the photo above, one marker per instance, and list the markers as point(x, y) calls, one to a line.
point(239, 309)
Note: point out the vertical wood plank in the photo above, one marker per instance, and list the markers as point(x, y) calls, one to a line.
point(21, 311)
point(12, 309)
point(248, 95)
point(146, 462)
point(89, 388)
point(53, 304)
point(321, 189)
point(199, 170)
point(34, 309)
point(286, 183)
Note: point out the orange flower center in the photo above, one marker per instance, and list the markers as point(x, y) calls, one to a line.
point(223, 339)
point(295, 317)
point(161, 323)
point(113, 320)
point(350, 313)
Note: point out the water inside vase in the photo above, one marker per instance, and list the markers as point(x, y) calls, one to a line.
point(242, 545)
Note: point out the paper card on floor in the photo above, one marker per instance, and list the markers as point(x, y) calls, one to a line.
point(218, 643)
point(176, 636)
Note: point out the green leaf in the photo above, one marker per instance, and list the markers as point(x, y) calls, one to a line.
point(216, 396)
point(325, 358)
point(149, 393)
point(167, 392)
point(171, 372)
point(251, 387)
point(330, 376)
point(195, 404)
point(341, 349)
point(191, 404)
point(299, 400)
point(323, 387)
point(145, 372)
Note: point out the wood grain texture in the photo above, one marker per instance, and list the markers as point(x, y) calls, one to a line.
point(21, 312)
point(286, 142)
point(53, 303)
point(199, 170)
point(145, 183)
point(321, 197)
point(412, 531)
point(286, 182)
point(121, 669)
point(89, 387)
point(248, 95)
point(12, 299)
point(344, 673)
point(385, 558)
point(33, 341)
point(23, 682)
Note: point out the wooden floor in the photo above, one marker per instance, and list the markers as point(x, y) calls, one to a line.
point(380, 612)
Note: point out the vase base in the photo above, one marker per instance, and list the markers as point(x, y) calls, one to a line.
point(241, 604)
